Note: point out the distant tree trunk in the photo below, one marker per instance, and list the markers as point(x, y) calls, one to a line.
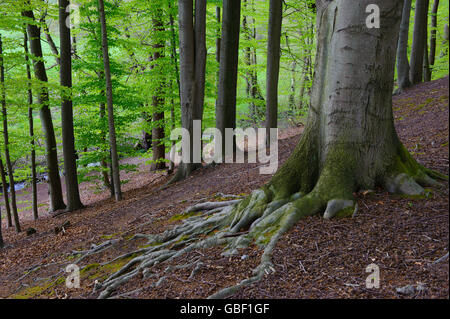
point(426, 63)
point(273, 65)
point(104, 160)
point(31, 130)
point(434, 13)
point(68, 138)
point(419, 41)
point(2, 244)
point(173, 56)
point(218, 42)
point(192, 75)
point(51, 43)
point(109, 102)
point(229, 55)
point(253, 90)
point(158, 147)
point(6, 140)
point(54, 181)
point(402, 48)
point(5, 193)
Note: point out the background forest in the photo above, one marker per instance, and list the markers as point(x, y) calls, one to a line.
point(144, 59)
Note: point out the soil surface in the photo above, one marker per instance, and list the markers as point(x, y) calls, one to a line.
point(403, 237)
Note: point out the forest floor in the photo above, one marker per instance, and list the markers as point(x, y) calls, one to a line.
point(316, 259)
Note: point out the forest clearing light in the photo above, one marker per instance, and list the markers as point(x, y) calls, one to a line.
point(212, 150)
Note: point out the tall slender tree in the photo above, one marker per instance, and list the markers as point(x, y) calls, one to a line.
point(6, 140)
point(192, 75)
point(31, 130)
point(434, 18)
point(54, 180)
point(158, 147)
point(402, 48)
point(419, 41)
point(228, 68)
point(109, 103)
point(2, 244)
point(5, 193)
point(273, 64)
point(68, 138)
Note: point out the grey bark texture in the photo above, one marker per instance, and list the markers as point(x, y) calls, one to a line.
point(434, 18)
point(109, 102)
point(54, 180)
point(273, 64)
point(192, 75)
point(158, 147)
point(402, 49)
point(419, 41)
point(68, 138)
point(6, 140)
point(31, 130)
point(229, 54)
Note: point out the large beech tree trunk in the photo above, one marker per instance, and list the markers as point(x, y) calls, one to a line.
point(402, 49)
point(68, 138)
point(54, 181)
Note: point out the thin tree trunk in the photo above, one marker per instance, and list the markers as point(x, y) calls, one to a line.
point(109, 102)
point(173, 56)
point(273, 65)
point(68, 138)
point(229, 53)
point(31, 130)
point(51, 43)
point(158, 147)
point(6, 141)
point(434, 13)
point(54, 181)
point(5, 193)
point(419, 41)
point(2, 244)
point(426, 65)
point(402, 49)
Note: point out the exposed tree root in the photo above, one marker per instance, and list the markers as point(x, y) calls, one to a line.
point(264, 216)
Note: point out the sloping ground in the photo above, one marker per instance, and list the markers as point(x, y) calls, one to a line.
point(316, 259)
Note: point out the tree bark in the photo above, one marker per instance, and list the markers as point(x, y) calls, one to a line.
point(158, 147)
point(229, 54)
point(109, 102)
point(192, 75)
point(31, 130)
point(5, 194)
point(68, 138)
point(6, 140)
point(350, 142)
point(402, 49)
point(434, 13)
point(273, 65)
point(419, 41)
point(2, 244)
point(54, 181)
point(253, 89)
